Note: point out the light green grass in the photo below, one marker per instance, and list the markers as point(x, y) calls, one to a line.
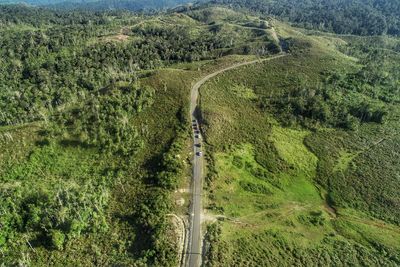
point(244, 92)
point(271, 207)
point(289, 144)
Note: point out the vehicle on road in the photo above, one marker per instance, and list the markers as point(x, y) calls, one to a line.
point(199, 153)
point(198, 136)
point(198, 145)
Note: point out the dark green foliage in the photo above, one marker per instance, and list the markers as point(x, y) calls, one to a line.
point(378, 77)
point(177, 44)
point(255, 188)
point(272, 248)
point(211, 171)
point(366, 112)
point(362, 17)
point(267, 156)
point(368, 181)
point(172, 164)
point(133, 5)
point(237, 162)
point(53, 213)
point(212, 238)
point(151, 216)
point(64, 57)
point(365, 178)
point(23, 14)
point(103, 120)
point(328, 104)
point(257, 172)
point(314, 218)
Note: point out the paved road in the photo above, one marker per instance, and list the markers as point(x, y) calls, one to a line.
point(194, 249)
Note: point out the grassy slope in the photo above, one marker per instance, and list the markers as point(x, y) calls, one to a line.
point(280, 217)
point(264, 187)
point(27, 155)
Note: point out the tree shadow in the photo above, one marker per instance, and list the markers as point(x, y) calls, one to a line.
point(142, 240)
point(42, 143)
point(74, 143)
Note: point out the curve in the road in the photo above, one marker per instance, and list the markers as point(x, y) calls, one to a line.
point(194, 249)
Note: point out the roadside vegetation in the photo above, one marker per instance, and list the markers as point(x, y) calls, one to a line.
point(302, 150)
point(304, 156)
point(93, 130)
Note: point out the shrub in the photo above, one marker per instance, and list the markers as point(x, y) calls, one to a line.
point(57, 239)
point(237, 162)
point(255, 188)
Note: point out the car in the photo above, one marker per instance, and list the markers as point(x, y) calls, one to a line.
point(197, 136)
point(199, 153)
point(197, 132)
point(198, 145)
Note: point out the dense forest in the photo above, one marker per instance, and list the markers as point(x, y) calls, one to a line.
point(133, 5)
point(60, 60)
point(361, 17)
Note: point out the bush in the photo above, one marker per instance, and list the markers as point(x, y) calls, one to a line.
point(237, 162)
point(57, 239)
point(255, 188)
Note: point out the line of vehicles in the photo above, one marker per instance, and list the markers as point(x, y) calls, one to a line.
point(197, 136)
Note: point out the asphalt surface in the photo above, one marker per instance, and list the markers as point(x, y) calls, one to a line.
point(194, 247)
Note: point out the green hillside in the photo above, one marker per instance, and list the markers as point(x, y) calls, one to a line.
point(361, 17)
point(94, 137)
point(302, 168)
point(133, 5)
point(301, 148)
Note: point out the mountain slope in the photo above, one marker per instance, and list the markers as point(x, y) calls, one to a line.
point(362, 17)
point(102, 4)
point(302, 150)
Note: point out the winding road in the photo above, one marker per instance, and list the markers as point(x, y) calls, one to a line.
point(194, 247)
